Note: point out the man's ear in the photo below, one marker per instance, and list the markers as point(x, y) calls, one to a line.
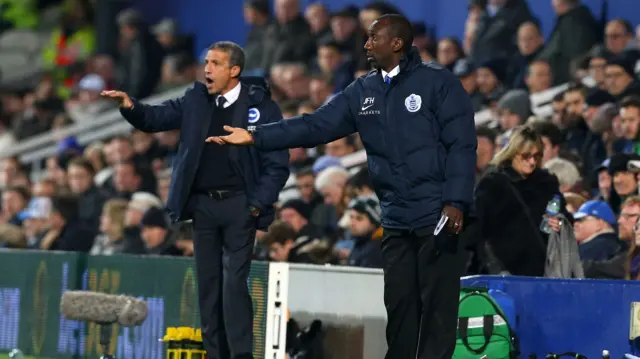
point(397, 44)
point(235, 71)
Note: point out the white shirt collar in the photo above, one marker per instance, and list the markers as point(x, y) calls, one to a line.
point(231, 96)
point(392, 73)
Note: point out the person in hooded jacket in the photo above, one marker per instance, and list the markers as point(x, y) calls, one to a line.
point(417, 125)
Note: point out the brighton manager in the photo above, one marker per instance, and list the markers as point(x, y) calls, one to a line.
point(417, 125)
point(227, 191)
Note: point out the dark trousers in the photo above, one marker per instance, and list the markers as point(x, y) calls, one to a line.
point(224, 234)
point(421, 289)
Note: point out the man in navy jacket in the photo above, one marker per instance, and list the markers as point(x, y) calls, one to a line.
point(227, 191)
point(417, 125)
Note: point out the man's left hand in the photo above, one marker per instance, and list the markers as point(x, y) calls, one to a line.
point(454, 224)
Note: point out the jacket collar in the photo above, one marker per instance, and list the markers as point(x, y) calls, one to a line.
point(408, 62)
point(255, 94)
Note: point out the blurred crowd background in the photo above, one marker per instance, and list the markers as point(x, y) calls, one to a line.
point(556, 114)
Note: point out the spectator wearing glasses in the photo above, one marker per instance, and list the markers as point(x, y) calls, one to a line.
point(629, 214)
point(510, 201)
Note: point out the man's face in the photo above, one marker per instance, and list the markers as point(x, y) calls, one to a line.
point(338, 148)
point(342, 27)
point(319, 91)
point(293, 218)
point(596, 70)
point(360, 225)
point(508, 119)
point(616, 79)
point(12, 203)
point(624, 183)
point(484, 152)
point(125, 178)
point(486, 80)
point(9, 171)
point(549, 151)
point(574, 102)
point(630, 121)
point(153, 236)
point(587, 227)
point(529, 39)
point(616, 37)
point(332, 194)
point(122, 150)
point(80, 179)
point(286, 10)
point(447, 52)
point(539, 77)
point(604, 183)
point(628, 218)
point(367, 17)
point(329, 59)
point(317, 17)
point(305, 186)
point(217, 71)
point(380, 46)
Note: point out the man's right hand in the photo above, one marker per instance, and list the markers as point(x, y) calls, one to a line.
point(121, 97)
point(236, 136)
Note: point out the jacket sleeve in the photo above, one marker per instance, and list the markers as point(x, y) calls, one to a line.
point(330, 122)
point(166, 116)
point(458, 134)
point(274, 167)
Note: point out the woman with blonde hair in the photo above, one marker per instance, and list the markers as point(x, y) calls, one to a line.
point(111, 239)
point(511, 199)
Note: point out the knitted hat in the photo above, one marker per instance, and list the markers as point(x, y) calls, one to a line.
point(598, 97)
point(154, 217)
point(517, 102)
point(368, 206)
point(627, 63)
point(497, 66)
point(297, 205)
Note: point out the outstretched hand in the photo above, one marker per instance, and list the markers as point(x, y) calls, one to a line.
point(123, 99)
point(236, 136)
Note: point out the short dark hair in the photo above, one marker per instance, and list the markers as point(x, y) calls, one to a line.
point(573, 87)
point(361, 179)
point(486, 132)
point(400, 27)
point(82, 163)
point(630, 101)
point(279, 232)
point(235, 52)
point(626, 24)
point(550, 131)
point(22, 191)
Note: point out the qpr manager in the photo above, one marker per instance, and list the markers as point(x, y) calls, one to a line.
point(417, 125)
point(227, 191)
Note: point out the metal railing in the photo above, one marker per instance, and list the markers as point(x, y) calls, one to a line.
point(36, 149)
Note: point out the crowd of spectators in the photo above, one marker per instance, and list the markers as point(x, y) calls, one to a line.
point(107, 198)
